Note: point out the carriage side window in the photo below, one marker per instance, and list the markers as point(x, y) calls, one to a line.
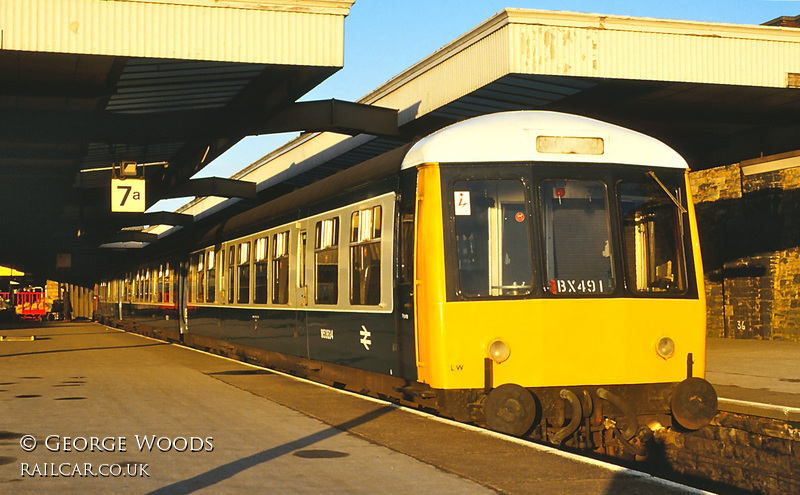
point(653, 238)
point(147, 287)
point(243, 273)
point(211, 276)
point(492, 238)
point(160, 287)
point(168, 295)
point(191, 279)
point(222, 279)
point(280, 268)
point(365, 257)
point(140, 286)
point(231, 274)
point(157, 288)
point(201, 278)
point(326, 262)
point(260, 254)
point(302, 242)
point(577, 237)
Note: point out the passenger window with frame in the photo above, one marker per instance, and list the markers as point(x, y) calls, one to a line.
point(492, 238)
point(139, 286)
point(211, 277)
point(191, 279)
point(577, 237)
point(147, 286)
point(231, 274)
point(280, 268)
point(653, 237)
point(302, 242)
point(243, 273)
point(365, 257)
point(260, 268)
point(154, 295)
point(168, 297)
point(326, 262)
point(160, 287)
point(201, 278)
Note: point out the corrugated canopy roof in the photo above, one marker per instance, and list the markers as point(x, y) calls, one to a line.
point(718, 93)
point(173, 83)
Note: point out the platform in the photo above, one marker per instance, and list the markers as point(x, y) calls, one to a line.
point(759, 371)
point(88, 396)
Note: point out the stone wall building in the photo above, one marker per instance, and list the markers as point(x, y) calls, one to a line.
point(749, 221)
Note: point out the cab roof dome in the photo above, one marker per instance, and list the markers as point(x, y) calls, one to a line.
point(511, 137)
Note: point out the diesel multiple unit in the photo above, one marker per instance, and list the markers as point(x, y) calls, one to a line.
point(534, 272)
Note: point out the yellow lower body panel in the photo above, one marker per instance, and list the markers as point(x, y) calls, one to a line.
point(564, 342)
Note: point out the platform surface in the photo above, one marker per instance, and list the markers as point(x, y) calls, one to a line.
point(77, 403)
point(755, 370)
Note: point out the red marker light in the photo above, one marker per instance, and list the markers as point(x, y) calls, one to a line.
point(560, 192)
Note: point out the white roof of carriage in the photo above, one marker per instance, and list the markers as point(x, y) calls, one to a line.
point(512, 137)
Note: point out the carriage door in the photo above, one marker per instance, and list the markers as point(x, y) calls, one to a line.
point(301, 290)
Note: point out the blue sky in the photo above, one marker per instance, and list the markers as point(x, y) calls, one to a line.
point(383, 38)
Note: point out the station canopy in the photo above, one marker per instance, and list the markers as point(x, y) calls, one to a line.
point(167, 84)
point(717, 93)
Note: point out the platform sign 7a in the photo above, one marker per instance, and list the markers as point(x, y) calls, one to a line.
point(127, 195)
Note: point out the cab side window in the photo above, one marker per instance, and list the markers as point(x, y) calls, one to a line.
point(653, 239)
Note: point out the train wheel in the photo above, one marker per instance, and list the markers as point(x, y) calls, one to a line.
point(510, 409)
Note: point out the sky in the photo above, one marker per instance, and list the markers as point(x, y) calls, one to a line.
point(383, 38)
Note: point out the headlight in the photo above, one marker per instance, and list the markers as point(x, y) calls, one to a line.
point(665, 347)
point(499, 351)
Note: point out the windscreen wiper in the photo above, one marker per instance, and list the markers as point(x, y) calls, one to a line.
point(673, 198)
